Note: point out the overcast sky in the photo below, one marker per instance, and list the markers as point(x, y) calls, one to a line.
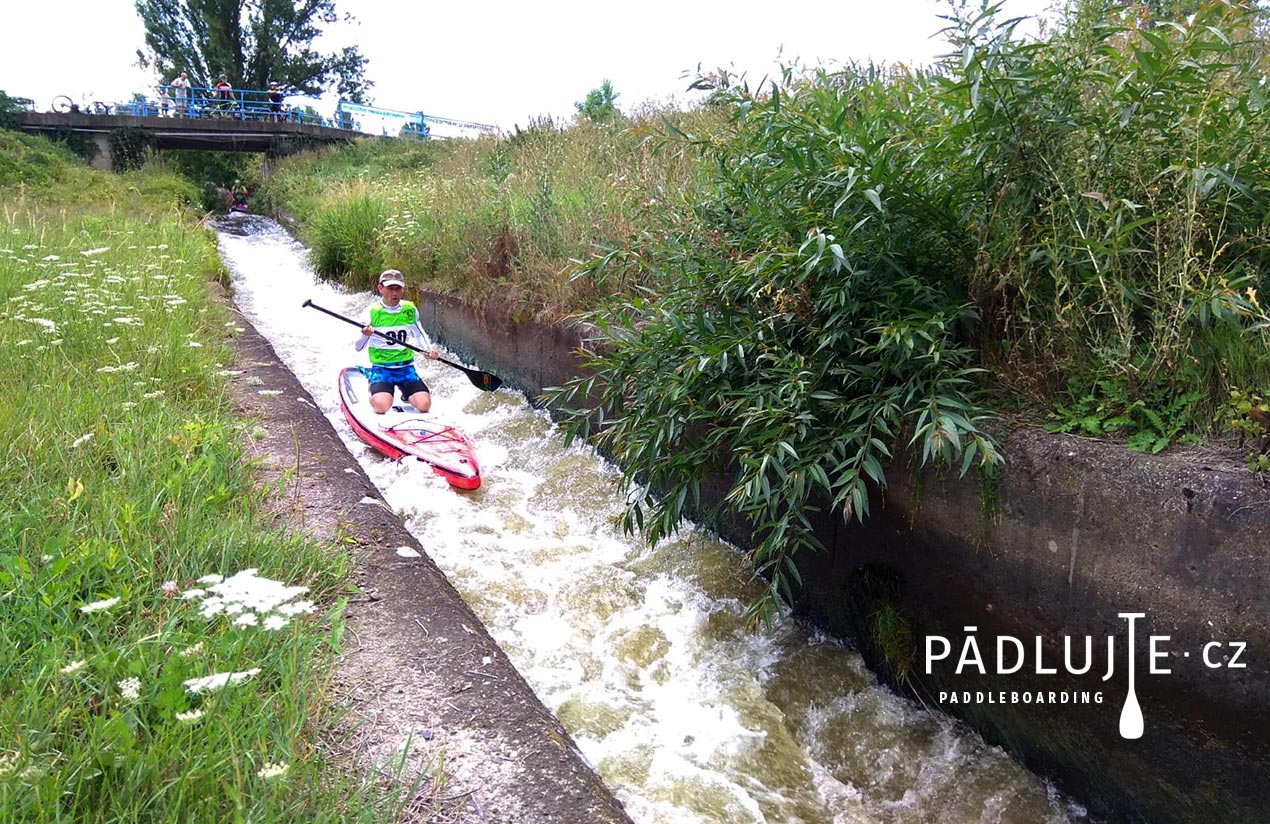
point(500, 62)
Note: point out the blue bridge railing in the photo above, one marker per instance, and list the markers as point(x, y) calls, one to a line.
point(267, 106)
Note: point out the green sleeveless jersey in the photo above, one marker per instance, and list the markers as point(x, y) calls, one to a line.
point(397, 326)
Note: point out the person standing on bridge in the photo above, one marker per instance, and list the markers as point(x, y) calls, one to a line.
point(224, 96)
point(275, 101)
point(181, 91)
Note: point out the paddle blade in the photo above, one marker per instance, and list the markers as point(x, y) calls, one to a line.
point(484, 380)
point(481, 380)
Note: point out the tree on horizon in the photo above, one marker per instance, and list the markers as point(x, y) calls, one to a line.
point(252, 42)
point(600, 105)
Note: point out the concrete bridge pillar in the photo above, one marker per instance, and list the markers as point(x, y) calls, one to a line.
point(101, 160)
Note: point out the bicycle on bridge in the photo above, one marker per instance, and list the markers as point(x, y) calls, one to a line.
point(63, 104)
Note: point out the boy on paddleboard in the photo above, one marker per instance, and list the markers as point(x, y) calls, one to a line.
point(392, 364)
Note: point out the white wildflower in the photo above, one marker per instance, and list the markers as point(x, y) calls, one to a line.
point(195, 345)
point(50, 257)
point(99, 605)
point(247, 619)
point(97, 251)
point(81, 439)
point(112, 341)
point(189, 717)
point(190, 652)
point(271, 770)
point(193, 593)
point(297, 608)
point(8, 763)
point(254, 592)
point(211, 579)
point(275, 622)
point(74, 667)
point(130, 688)
point(218, 680)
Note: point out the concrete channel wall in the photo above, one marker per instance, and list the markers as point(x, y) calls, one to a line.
point(1017, 576)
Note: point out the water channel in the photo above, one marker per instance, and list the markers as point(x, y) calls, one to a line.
point(642, 653)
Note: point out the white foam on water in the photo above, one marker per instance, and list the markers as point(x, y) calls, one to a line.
point(642, 652)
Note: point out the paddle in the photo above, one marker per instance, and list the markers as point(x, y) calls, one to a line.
point(479, 379)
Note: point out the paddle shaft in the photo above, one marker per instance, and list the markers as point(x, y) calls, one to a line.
point(482, 380)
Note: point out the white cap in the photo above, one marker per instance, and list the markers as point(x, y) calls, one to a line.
point(391, 277)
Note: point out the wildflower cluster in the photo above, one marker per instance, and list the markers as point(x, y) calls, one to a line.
point(249, 600)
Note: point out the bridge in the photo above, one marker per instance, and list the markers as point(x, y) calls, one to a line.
point(274, 139)
point(234, 120)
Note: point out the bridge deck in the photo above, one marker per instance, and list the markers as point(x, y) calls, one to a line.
point(208, 133)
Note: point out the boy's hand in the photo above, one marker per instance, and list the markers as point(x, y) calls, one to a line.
point(433, 354)
point(368, 330)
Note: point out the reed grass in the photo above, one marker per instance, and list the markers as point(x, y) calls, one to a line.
point(498, 220)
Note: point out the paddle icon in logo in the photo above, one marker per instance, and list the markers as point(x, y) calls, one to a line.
point(1131, 725)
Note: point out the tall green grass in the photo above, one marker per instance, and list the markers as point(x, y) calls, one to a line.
point(126, 483)
point(498, 220)
point(794, 281)
point(1114, 180)
point(1087, 211)
point(345, 237)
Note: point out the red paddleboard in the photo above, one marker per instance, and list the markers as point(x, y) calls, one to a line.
point(404, 432)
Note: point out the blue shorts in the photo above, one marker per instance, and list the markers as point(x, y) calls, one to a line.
point(384, 378)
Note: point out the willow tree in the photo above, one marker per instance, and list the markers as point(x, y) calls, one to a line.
point(252, 42)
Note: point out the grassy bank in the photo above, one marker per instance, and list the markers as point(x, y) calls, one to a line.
point(497, 220)
point(148, 676)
